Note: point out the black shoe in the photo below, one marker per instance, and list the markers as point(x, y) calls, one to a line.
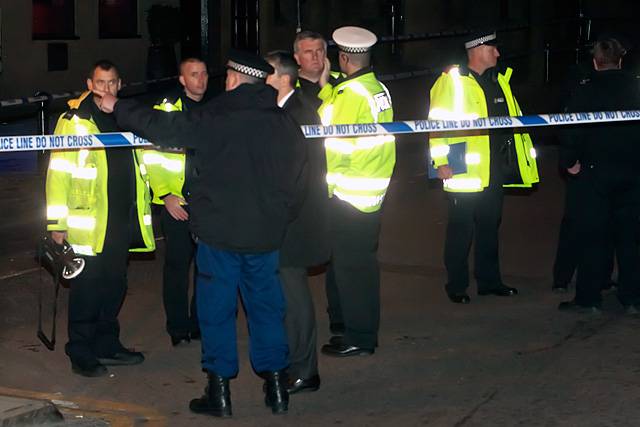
point(573, 307)
point(300, 384)
point(459, 298)
point(345, 350)
point(500, 291)
point(123, 357)
point(216, 400)
point(276, 395)
point(559, 288)
point(195, 335)
point(178, 339)
point(337, 328)
point(91, 369)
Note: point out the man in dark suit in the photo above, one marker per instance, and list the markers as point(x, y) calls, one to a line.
point(305, 242)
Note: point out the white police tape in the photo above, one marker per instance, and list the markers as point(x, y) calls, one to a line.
point(499, 122)
point(128, 139)
point(66, 142)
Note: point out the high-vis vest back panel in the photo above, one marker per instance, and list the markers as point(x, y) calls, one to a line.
point(166, 166)
point(358, 169)
point(77, 191)
point(460, 97)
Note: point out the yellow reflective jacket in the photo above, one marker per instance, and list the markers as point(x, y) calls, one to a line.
point(458, 96)
point(76, 189)
point(358, 169)
point(166, 167)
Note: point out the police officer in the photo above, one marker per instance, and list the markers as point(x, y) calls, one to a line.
point(603, 160)
point(167, 175)
point(493, 160)
point(305, 244)
point(358, 175)
point(98, 200)
point(248, 183)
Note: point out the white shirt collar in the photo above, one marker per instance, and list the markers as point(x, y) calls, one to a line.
point(285, 99)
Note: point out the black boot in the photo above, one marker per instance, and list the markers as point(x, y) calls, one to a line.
point(276, 395)
point(216, 400)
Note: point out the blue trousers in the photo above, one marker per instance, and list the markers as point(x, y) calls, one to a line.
point(220, 275)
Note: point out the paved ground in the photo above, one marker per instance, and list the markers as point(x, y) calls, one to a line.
point(499, 362)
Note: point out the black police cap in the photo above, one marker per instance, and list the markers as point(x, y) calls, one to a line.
point(249, 63)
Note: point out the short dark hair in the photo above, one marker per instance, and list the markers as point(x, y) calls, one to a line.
point(307, 35)
point(284, 64)
point(608, 52)
point(103, 64)
point(190, 60)
point(361, 60)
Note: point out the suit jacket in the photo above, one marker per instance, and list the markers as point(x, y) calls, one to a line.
point(305, 242)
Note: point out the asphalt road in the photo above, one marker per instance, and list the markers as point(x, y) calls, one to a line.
point(494, 362)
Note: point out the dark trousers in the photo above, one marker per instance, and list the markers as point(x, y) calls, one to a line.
point(353, 237)
point(609, 205)
point(220, 275)
point(95, 298)
point(480, 214)
point(182, 318)
point(334, 310)
point(300, 322)
point(568, 251)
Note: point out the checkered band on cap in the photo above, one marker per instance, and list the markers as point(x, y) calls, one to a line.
point(479, 41)
point(349, 49)
point(245, 69)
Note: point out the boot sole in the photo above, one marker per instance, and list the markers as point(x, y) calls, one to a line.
point(277, 409)
point(219, 414)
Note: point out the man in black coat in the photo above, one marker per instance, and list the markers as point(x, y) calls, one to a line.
point(603, 160)
point(247, 183)
point(305, 244)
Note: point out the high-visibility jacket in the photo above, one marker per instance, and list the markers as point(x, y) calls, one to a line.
point(456, 95)
point(166, 167)
point(76, 190)
point(358, 169)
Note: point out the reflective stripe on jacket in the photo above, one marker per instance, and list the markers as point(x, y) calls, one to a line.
point(166, 167)
point(358, 169)
point(76, 191)
point(459, 97)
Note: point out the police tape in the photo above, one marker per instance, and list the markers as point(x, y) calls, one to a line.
point(482, 123)
point(128, 139)
point(67, 142)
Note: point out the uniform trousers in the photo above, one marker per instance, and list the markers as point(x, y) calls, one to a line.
point(182, 318)
point(221, 274)
point(472, 214)
point(95, 298)
point(568, 251)
point(610, 203)
point(300, 322)
point(353, 237)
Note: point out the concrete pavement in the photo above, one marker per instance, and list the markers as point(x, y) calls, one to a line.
point(497, 361)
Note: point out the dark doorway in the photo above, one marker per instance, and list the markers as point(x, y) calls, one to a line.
point(191, 15)
point(245, 29)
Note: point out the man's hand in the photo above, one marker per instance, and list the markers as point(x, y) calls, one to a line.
point(326, 73)
point(575, 169)
point(173, 205)
point(59, 236)
point(107, 101)
point(445, 172)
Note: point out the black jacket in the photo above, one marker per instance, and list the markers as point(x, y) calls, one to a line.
point(249, 164)
point(305, 244)
point(607, 148)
